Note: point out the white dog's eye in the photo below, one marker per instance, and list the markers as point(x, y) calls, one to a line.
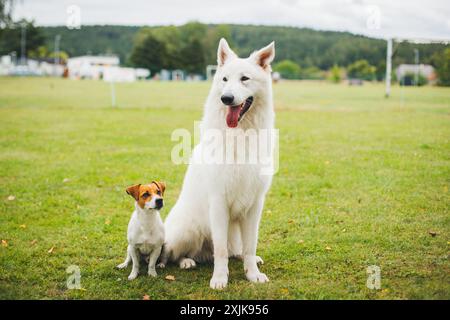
point(244, 78)
point(225, 79)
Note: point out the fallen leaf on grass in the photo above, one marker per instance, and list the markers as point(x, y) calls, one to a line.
point(33, 242)
point(145, 297)
point(4, 243)
point(11, 198)
point(328, 248)
point(170, 277)
point(51, 250)
point(23, 226)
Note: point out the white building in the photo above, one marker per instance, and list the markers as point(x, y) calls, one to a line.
point(423, 69)
point(31, 67)
point(90, 67)
point(103, 67)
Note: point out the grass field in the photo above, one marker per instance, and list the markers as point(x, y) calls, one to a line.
point(363, 181)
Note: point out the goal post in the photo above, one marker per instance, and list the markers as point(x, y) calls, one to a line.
point(210, 71)
point(388, 67)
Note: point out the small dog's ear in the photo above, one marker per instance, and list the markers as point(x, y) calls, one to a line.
point(161, 185)
point(264, 56)
point(134, 191)
point(224, 52)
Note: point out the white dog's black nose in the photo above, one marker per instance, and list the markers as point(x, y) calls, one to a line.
point(159, 203)
point(227, 99)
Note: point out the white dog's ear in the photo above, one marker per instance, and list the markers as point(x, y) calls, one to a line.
point(224, 52)
point(264, 56)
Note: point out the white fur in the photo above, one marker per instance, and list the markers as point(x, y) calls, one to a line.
point(145, 236)
point(218, 211)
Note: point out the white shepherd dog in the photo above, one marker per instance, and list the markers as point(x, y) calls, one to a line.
point(218, 212)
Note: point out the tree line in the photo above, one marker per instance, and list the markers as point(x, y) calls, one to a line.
point(301, 53)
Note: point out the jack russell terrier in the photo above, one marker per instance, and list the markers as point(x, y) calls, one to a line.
point(145, 229)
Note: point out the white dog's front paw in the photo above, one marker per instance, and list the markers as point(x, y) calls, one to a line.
point(152, 272)
point(218, 282)
point(122, 266)
point(133, 275)
point(187, 263)
point(257, 277)
point(161, 265)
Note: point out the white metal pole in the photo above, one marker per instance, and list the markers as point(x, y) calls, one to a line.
point(388, 67)
point(23, 43)
point(56, 62)
point(416, 75)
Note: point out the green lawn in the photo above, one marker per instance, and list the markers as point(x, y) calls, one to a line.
point(363, 180)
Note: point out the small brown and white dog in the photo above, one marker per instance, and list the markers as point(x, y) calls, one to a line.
point(145, 229)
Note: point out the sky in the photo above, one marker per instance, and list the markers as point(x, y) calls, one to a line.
point(413, 19)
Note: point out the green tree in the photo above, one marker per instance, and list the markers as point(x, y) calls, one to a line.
point(288, 69)
point(6, 7)
point(335, 74)
point(211, 41)
point(193, 57)
point(441, 61)
point(10, 38)
point(171, 36)
point(361, 69)
point(149, 54)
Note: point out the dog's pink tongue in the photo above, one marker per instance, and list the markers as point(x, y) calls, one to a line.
point(233, 116)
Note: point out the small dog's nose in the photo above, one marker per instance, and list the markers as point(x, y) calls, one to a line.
point(159, 203)
point(227, 99)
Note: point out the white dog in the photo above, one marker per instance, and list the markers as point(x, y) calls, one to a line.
point(218, 211)
point(145, 229)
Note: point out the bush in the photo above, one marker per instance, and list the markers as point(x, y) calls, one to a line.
point(288, 69)
point(335, 74)
point(442, 63)
point(312, 73)
point(361, 69)
point(409, 79)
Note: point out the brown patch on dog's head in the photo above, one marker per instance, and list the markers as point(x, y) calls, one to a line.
point(161, 186)
point(143, 193)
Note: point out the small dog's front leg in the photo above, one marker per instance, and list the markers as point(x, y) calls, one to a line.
point(135, 259)
point(152, 261)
